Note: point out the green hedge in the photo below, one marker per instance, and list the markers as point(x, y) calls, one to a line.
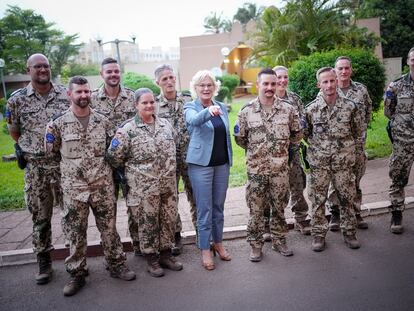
point(135, 81)
point(366, 68)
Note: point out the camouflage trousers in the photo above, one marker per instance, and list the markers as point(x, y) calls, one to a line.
point(132, 224)
point(75, 224)
point(297, 183)
point(400, 164)
point(262, 191)
point(42, 192)
point(343, 182)
point(156, 216)
point(359, 171)
point(182, 171)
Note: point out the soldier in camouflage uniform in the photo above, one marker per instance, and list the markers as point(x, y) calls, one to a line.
point(333, 127)
point(80, 136)
point(116, 102)
point(170, 106)
point(359, 94)
point(145, 146)
point(265, 128)
point(297, 177)
point(399, 108)
point(27, 114)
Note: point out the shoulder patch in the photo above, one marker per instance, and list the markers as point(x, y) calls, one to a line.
point(114, 143)
point(236, 128)
point(50, 138)
point(389, 94)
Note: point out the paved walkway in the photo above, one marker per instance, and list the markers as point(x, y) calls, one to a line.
point(16, 227)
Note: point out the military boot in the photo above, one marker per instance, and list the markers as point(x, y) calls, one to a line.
point(361, 223)
point(281, 247)
point(178, 245)
point(122, 272)
point(169, 262)
point(334, 222)
point(154, 267)
point(74, 285)
point(256, 254)
point(396, 222)
point(318, 243)
point(351, 241)
point(45, 268)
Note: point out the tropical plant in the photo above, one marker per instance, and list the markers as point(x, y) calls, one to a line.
point(301, 28)
point(216, 24)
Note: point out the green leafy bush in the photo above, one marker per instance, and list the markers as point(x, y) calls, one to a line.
point(3, 105)
point(222, 94)
point(230, 82)
point(366, 68)
point(135, 81)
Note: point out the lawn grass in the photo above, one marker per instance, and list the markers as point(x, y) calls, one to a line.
point(11, 177)
point(378, 144)
point(12, 183)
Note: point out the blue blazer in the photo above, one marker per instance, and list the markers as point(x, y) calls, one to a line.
point(201, 132)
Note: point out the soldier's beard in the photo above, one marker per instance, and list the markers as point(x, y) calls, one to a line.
point(82, 103)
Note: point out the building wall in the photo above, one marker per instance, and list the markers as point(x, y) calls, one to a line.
point(372, 24)
point(204, 52)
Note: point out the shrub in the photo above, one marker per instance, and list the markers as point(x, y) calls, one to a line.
point(135, 81)
point(366, 68)
point(3, 105)
point(230, 82)
point(222, 94)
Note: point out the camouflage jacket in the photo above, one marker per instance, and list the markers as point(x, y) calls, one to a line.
point(83, 166)
point(295, 100)
point(173, 111)
point(28, 112)
point(331, 132)
point(148, 157)
point(266, 136)
point(359, 94)
point(399, 108)
point(118, 110)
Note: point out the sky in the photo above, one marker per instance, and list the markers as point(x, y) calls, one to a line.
point(153, 22)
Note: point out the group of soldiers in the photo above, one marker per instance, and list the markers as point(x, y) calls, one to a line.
point(67, 165)
point(329, 134)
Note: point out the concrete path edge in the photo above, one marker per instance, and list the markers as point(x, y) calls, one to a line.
point(26, 256)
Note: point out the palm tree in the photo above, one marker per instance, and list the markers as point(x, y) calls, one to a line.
point(216, 24)
point(301, 28)
point(248, 12)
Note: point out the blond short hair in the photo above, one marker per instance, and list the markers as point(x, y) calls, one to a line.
point(198, 77)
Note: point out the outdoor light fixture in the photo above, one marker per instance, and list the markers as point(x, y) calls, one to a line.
point(117, 42)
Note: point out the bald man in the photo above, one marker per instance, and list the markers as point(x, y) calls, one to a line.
point(27, 113)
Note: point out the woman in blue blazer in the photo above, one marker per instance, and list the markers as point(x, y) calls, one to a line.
point(209, 158)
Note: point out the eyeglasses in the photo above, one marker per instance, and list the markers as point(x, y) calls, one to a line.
point(203, 86)
point(38, 67)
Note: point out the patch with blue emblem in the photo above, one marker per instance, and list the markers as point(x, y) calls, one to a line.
point(114, 143)
point(236, 129)
point(389, 94)
point(50, 138)
point(8, 116)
